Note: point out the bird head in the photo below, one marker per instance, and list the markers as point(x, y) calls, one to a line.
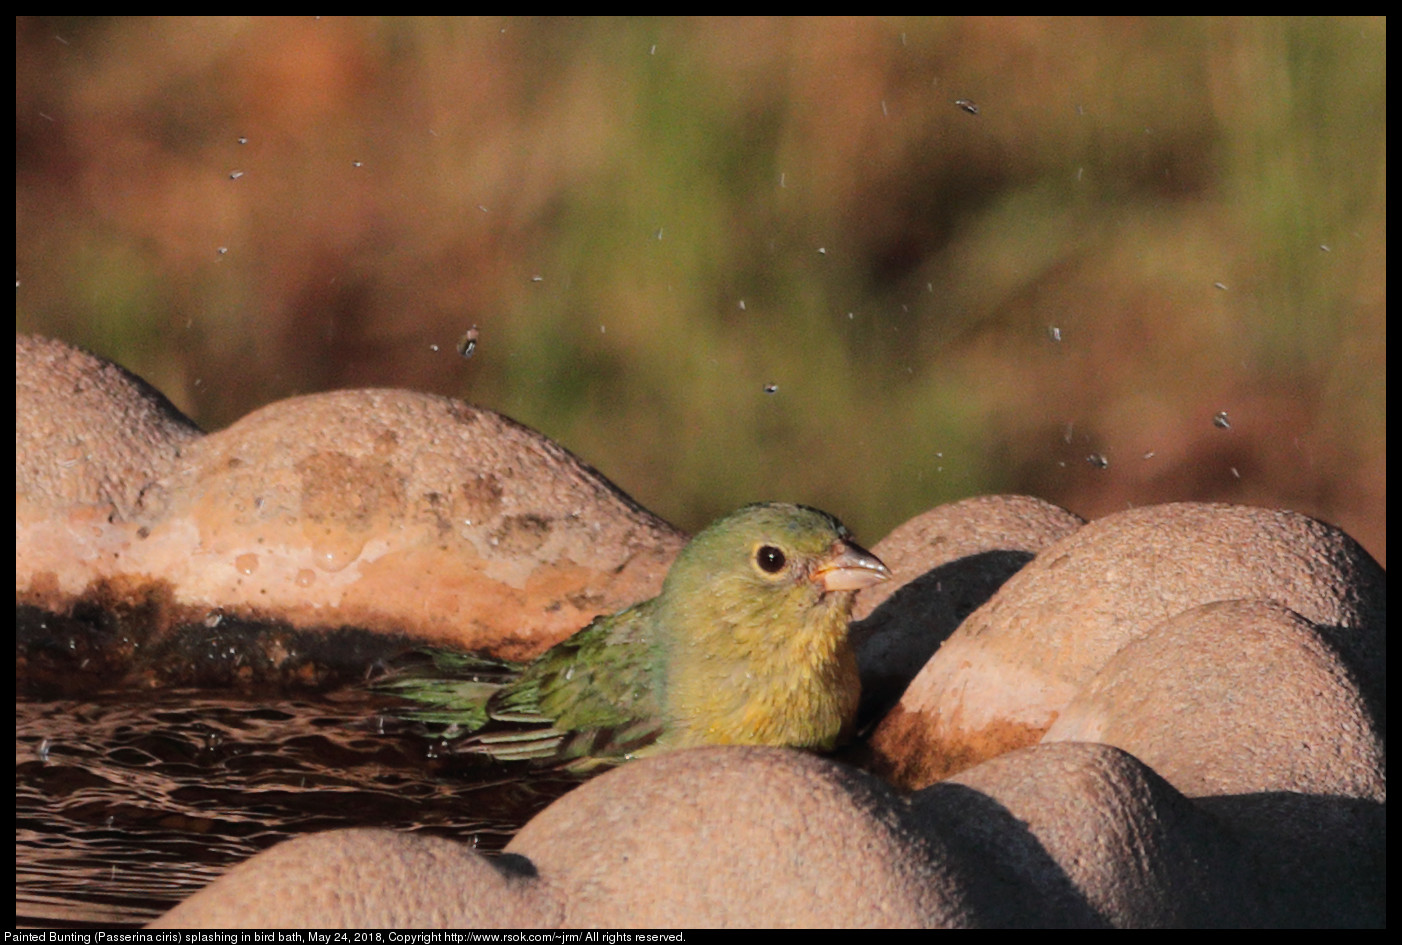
point(755, 612)
point(774, 557)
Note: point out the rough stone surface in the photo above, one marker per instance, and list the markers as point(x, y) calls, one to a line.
point(87, 431)
point(1000, 681)
point(1063, 834)
point(1084, 835)
point(741, 837)
point(405, 512)
point(369, 879)
point(90, 439)
point(946, 563)
point(1235, 697)
point(398, 513)
point(713, 837)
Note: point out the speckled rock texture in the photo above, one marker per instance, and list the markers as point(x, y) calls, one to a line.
point(394, 512)
point(1003, 678)
point(713, 837)
point(90, 439)
point(369, 879)
point(946, 563)
point(402, 512)
point(1062, 835)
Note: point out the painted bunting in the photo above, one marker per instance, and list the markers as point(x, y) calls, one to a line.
point(745, 645)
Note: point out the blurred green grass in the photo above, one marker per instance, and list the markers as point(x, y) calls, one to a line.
point(1148, 221)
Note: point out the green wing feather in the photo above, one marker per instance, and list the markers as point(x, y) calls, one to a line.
point(590, 699)
point(449, 688)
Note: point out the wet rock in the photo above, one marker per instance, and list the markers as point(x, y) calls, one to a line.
point(402, 512)
point(90, 439)
point(401, 517)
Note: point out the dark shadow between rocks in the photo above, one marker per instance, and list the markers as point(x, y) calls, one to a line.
point(1323, 858)
point(991, 842)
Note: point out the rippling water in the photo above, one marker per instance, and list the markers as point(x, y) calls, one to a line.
point(126, 803)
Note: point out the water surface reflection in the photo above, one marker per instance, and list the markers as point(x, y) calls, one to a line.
point(127, 802)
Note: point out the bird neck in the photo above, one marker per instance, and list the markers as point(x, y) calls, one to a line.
point(745, 676)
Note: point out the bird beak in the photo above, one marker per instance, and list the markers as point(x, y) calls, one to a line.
point(850, 567)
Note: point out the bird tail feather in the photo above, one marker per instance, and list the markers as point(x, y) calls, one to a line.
point(448, 688)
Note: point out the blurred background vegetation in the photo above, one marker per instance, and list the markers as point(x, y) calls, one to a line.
point(872, 265)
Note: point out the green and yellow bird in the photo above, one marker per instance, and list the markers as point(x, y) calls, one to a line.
point(746, 645)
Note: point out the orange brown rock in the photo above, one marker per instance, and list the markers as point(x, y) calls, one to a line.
point(402, 514)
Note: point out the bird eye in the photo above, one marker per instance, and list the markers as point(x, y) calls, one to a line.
point(770, 559)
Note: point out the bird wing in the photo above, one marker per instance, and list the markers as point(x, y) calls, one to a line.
point(593, 696)
point(590, 699)
point(448, 687)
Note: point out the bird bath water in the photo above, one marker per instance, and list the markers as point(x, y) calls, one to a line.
point(130, 799)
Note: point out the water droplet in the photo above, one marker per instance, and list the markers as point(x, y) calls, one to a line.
point(1098, 460)
point(331, 558)
point(235, 175)
point(243, 140)
point(467, 344)
point(43, 749)
point(1220, 285)
point(1054, 333)
point(771, 388)
point(1220, 420)
point(967, 105)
